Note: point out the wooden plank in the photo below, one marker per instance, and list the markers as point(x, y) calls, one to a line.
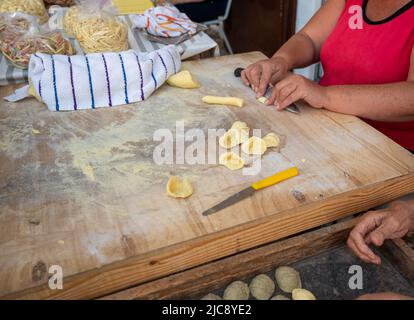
point(81, 189)
point(401, 255)
point(212, 276)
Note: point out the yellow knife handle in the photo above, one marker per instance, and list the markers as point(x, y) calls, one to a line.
point(278, 177)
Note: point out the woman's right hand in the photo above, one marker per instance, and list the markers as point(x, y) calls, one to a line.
point(262, 73)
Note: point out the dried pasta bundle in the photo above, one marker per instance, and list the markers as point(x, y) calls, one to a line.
point(32, 7)
point(99, 32)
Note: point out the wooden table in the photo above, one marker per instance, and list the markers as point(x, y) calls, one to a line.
point(80, 189)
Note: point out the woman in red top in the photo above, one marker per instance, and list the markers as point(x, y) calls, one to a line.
point(366, 50)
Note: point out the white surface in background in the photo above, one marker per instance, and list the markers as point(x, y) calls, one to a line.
point(305, 11)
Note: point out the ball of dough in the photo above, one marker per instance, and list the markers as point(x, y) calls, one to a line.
point(288, 279)
point(237, 290)
point(211, 296)
point(254, 146)
point(302, 294)
point(262, 287)
point(231, 160)
point(179, 189)
point(271, 140)
point(280, 297)
point(184, 80)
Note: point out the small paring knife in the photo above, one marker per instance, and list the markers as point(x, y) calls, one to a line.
point(270, 181)
point(293, 108)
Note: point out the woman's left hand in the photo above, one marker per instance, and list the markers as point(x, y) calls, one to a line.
point(294, 88)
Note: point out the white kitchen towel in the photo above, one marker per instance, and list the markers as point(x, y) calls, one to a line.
point(97, 80)
point(165, 21)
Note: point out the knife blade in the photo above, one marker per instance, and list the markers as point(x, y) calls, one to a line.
point(245, 193)
point(293, 108)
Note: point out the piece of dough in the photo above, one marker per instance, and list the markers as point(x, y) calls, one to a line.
point(271, 140)
point(211, 296)
point(231, 160)
point(184, 80)
point(179, 189)
point(237, 290)
point(228, 101)
point(279, 297)
point(262, 100)
point(288, 279)
point(254, 146)
point(230, 139)
point(262, 287)
point(302, 294)
point(240, 125)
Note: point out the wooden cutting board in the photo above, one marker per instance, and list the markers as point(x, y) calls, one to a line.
point(81, 190)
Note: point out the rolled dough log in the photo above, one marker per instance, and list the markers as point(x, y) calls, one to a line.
point(184, 80)
point(288, 279)
point(302, 294)
point(177, 188)
point(228, 101)
point(237, 290)
point(271, 140)
point(262, 287)
point(231, 160)
point(254, 145)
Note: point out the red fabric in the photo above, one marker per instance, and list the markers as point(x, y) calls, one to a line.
point(377, 54)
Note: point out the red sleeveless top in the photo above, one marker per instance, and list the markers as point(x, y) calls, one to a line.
point(379, 53)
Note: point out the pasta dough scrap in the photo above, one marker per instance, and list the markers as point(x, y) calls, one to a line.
point(228, 101)
point(262, 100)
point(254, 145)
point(271, 140)
point(211, 296)
point(183, 80)
point(288, 279)
point(240, 125)
point(302, 294)
point(230, 139)
point(237, 290)
point(177, 188)
point(262, 287)
point(231, 160)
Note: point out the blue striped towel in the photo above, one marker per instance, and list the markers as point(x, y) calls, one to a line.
point(67, 83)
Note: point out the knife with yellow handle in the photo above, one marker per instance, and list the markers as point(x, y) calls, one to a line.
point(270, 181)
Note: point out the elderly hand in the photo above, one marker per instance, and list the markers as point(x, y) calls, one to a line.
point(377, 226)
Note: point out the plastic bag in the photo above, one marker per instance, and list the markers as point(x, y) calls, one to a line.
point(32, 7)
point(21, 36)
point(97, 28)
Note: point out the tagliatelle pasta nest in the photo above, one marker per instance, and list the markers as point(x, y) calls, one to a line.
point(96, 33)
point(33, 7)
point(60, 2)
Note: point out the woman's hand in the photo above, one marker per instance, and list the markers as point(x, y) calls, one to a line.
point(294, 88)
point(266, 72)
point(377, 226)
point(384, 296)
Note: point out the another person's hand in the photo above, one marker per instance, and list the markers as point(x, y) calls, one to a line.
point(263, 73)
point(384, 296)
point(377, 226)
